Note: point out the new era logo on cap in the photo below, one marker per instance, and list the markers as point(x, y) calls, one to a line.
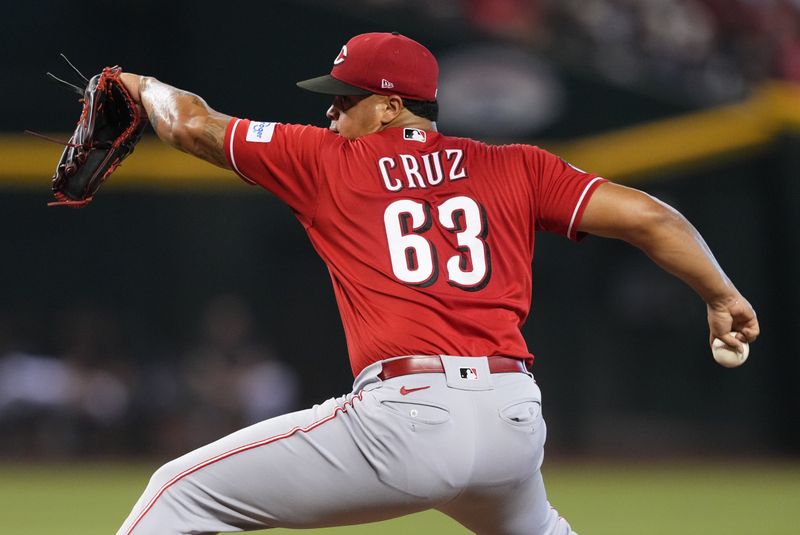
point(386, 84)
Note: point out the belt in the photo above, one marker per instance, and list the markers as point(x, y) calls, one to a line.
point(433, 364)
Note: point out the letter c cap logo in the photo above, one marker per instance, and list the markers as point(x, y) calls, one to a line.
point(342, 56)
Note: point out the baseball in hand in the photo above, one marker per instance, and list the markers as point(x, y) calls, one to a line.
point(728, 356)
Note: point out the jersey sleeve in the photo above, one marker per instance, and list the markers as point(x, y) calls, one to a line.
point(282, 158)
point(561, 192)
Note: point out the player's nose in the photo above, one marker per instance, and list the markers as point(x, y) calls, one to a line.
point(332, 113)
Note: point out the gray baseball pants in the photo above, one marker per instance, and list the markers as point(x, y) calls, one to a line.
point(470, 447)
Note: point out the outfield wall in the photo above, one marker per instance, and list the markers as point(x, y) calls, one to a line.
point(121, 294)
point(621, 347)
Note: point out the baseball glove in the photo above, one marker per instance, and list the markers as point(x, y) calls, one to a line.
point(110, 125)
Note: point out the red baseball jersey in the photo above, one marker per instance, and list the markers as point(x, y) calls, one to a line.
point(428, 238)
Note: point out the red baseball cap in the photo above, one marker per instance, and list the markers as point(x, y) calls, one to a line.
point(381, 63)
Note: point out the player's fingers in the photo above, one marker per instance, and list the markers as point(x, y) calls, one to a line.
point(731, 340)
point(746, 324)
point(750, 332)
point(719, 324)
point(742, 337)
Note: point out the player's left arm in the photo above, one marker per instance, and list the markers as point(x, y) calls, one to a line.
point(181, 119)
point(672, 242)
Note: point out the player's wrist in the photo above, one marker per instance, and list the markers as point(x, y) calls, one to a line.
point(723, 300)
point(133, 83)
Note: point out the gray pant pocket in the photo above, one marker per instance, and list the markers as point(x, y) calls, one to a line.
point(418, 412)
point(521, 414)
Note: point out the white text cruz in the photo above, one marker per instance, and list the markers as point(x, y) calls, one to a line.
point(422, 170)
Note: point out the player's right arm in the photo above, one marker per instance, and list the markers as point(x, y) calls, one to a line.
point(281, 158)
point(181, 119)
point(672, 242)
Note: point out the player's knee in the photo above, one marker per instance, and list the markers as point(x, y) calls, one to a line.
point(559, 526)
point(166, 474)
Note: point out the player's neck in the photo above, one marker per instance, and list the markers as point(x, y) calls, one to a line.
point(408, 120)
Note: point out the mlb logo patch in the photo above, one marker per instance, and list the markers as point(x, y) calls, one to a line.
point(470, 374)
point(260, 132)
point(415, 134)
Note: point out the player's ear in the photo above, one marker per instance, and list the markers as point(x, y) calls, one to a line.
point(394, 105)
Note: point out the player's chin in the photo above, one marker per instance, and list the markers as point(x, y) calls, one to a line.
point(345, 134)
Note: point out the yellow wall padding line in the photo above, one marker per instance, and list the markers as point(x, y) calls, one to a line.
point(27, 162)
point(689, 139)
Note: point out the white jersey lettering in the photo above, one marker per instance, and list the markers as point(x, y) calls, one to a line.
point(423, 171)
point(456, 171)
point(411, 168)
point(433, 180)
point(392, 184)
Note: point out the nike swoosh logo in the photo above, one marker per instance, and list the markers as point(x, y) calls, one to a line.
point(405, 391)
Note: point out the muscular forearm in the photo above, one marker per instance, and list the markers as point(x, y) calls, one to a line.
point(675, 245)
point(181, 119)
point(661, 232)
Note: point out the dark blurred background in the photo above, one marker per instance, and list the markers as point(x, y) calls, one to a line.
point(168, 313)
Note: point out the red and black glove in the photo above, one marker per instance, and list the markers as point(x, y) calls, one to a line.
point(110, 125)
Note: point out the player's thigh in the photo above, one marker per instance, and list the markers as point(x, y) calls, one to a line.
point(511, 499)
point(509, 510)
point(303, 469)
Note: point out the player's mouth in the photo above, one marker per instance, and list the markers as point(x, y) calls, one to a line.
point(333, 128)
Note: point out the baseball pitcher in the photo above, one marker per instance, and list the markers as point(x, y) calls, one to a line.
point(429, 241)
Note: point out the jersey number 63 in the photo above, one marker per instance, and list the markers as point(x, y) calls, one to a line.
point(414, 258)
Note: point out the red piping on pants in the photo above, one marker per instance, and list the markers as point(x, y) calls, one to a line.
point(240, 449)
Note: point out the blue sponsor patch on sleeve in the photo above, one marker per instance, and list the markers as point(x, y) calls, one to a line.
point(260, 132)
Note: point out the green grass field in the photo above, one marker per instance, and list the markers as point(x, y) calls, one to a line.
point(732, 498)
